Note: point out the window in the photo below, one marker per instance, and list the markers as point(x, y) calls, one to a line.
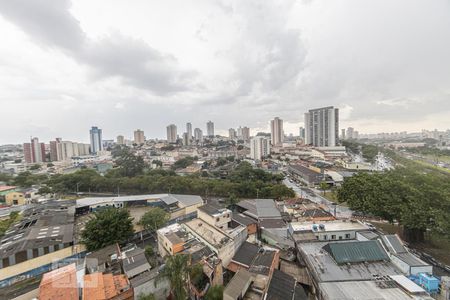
point(347, 235)
point(325, 237)
point(333, 236)
point(340, 237)
point(217, 219)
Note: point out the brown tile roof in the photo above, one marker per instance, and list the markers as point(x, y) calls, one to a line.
point(98, 286)
point(59, 284)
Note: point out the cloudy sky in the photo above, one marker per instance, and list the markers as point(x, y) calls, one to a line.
point(122, 65)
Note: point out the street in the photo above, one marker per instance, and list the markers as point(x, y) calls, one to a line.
point(314, 196)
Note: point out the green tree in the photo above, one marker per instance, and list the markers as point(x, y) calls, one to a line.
point(109, 226)
point(35, 167)
point(176, 271)
point(183, 163)
point(146, 297)
point(214, 293)
point(154, 219)
point(129, 164)
point(44, 190)
point(49, 165)
point(157, 162)
point(149, 252)
point(323, 186)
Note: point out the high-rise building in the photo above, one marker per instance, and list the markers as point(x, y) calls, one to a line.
point(243, 133)
point(172, 133)
point(186, 139)
point(259, 147)
point(139, 137)
point(342, 134)
point(232, 134)
point(54, 147)
point(34, 152)
point(276, 132)
point(350, 132)
point(198, 135)
point(322, 127)
point(120, 140)
point(302, 132)
point(189, 130)
point(210, 129)
point(96, 139)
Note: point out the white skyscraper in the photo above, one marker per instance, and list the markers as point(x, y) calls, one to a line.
point(350, 133)
point(186, 139)
point(322, 127)
point(198, 135)
point(189, 130)
point(276, 132)
point(172, 133)
point(259, 147)
point(96, 139)
point(210, 129)
point(120, 140)
point(243, 133)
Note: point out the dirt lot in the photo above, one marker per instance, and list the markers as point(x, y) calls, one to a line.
point(136, 213)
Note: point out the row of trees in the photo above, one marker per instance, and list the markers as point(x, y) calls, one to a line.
point(415, 197)
point(367, 151)
point(243, 182)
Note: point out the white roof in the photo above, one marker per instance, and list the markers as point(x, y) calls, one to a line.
point(407, 284)
point(337, 225)
point(185, 200)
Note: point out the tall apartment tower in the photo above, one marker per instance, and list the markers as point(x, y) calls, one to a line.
point(96, 139)
point(259, 147)
point(172, 133)
point(302, 132)
point(34, 152)
point(342, 134)
point(350, 133)
point(189, 130)
point(120, 140)
point(198, 135)
point(276, 132)
point(243, 133)
point(322, 127)
point(210, 129)
point(139, 137)
point(232, 134)
point(55, 146)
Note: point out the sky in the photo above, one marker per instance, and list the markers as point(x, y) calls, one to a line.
point(122, 65)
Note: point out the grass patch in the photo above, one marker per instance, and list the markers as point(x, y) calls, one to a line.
point(5, 224)
point(428, 165)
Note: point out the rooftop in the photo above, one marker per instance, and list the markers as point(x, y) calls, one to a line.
point(246, 253)
point(356, 252)
point(213, 210)
point(393, 244)
point(283, 286)
point(135, 262)
point(209, 233)
point(335, 225)
point(266, 208)
point(324, 268)
point(182, 200)
point(243, 219)
point(364, 290)
point(41, 226)
point(7, 188)
point(238, 284)
point(104, 286)
point(59, 284)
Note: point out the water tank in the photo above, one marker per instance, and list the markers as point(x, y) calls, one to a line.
point(322, 226)
point(314, 227)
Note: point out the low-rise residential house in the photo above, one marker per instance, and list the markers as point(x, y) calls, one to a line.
point(98, 286)
point(60, 284)
point(21, 196)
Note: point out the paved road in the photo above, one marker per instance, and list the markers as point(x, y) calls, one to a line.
point(314, 195)
point(7, 210)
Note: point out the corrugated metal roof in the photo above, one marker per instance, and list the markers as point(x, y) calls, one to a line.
point(354, 252)
point(266, 208)
point(238, 284)
point(392, 241)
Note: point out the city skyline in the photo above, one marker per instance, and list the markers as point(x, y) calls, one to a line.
point(91, 69)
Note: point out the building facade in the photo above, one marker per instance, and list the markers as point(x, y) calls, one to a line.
point(34, 152)
point(139, 137)
point(322, 127)
point(189, 130)
point(276, 132)
point(210, 129)
point(259, 147)
point(120, 140)
point(198, 135)
point(232, 134)
point(172, 133)
point(96, 139)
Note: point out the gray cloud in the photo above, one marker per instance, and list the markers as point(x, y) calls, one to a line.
point(134, 61)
